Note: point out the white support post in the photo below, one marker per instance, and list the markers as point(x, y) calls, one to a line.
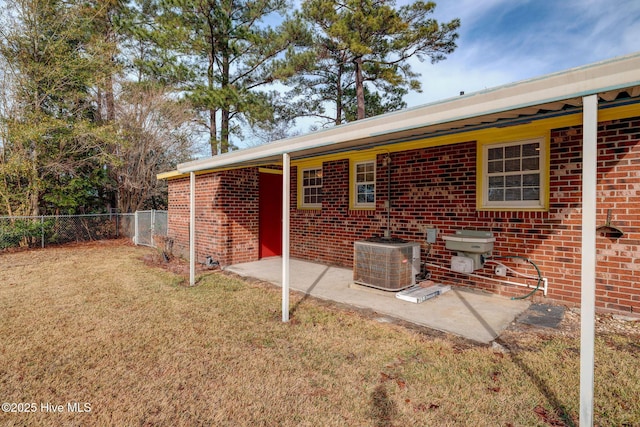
point(192, 228)
point(286, 191)
point(588, 291)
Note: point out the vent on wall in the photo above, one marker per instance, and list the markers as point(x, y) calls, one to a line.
point(391, 266)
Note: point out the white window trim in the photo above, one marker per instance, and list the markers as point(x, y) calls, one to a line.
point(354, 189)
point(539, 204)
point(302, 188)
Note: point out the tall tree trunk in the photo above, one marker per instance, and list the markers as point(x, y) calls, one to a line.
point(359, 89)
point(339, 95)
point(110, 40)
point(99, 112)
point(213, 125)
point(224, 131)
point(224, 119)
point(111, 103)
point(213, 137)
point(34, 196)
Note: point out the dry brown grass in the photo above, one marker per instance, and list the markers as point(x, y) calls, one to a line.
point(93, 323)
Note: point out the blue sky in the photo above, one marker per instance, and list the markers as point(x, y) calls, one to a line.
point(504, 41)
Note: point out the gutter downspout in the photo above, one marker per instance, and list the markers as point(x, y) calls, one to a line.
point(588, 268)
point(192, 228)
point(286, 193)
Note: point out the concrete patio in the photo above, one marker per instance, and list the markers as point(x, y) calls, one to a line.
point(473, 315)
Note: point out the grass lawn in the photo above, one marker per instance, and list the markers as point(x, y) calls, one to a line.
point(92, 328)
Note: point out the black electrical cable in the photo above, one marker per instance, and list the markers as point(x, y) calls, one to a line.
point(534, 265)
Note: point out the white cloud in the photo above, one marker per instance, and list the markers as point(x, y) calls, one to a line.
point(504, 41)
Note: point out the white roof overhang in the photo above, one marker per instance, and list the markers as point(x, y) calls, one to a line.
point(545, 95)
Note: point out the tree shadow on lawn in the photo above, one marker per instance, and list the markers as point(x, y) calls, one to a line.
point(383, 409)
point(560, 417)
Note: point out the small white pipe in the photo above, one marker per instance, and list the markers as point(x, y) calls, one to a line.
point(506, 282)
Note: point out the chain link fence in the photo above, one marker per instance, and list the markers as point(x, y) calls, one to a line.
point(148, 225)
point(42, 231)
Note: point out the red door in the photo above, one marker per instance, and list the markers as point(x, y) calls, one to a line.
point(270, 233)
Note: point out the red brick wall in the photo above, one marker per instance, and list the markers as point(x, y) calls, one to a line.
point(436, 187)
point(226, 216)
point(327, 235)
point(618, 260)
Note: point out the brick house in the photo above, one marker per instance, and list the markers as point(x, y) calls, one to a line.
point(518, 161)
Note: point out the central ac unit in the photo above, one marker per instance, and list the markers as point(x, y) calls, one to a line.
point(387, 265)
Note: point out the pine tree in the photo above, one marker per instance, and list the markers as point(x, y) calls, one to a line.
point(227, 53)
point(359, 41)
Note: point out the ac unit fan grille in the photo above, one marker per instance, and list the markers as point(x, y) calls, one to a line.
point(385, 266)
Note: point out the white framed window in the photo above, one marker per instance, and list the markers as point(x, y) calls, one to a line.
point(364, 181)
point(514, 174)
point(312, 187)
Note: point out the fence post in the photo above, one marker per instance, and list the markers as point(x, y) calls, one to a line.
point(42, 229)
point(153, 227)
point(135, 228)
